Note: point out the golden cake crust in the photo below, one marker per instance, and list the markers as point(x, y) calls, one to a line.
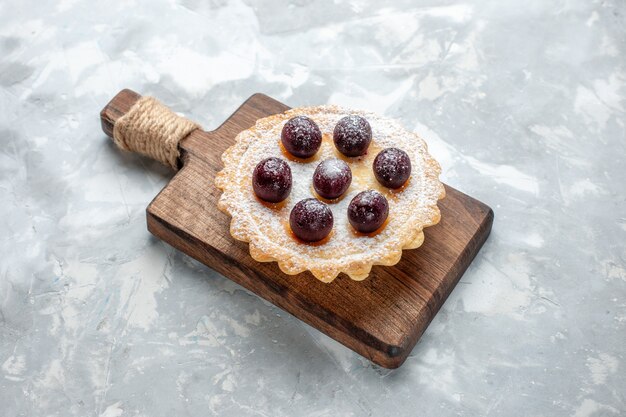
point(266, 226)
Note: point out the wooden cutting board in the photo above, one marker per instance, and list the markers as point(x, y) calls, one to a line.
point(380, 318)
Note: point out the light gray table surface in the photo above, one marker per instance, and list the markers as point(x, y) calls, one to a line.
point(523, 104)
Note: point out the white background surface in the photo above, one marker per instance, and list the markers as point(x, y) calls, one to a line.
point(521, 102)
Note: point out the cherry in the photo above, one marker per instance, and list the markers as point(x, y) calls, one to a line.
point(331, 178)
point(367, 211)
point(271, 180)
point(392, 167)
point(301, 137)
point(311, 220)
point(352, 135)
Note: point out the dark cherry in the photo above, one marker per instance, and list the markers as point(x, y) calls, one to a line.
point(392, 167)
point(311, 220)
point(331, 178)
point(301, 137)
point(271, 180)
point(367, 211)
point(352, 135)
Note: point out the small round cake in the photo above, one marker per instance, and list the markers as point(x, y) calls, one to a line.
point(329, 224)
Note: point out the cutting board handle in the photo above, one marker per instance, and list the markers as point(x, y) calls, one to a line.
point(116, 108)
point(145, 126)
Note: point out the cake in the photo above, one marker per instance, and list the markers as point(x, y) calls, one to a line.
point(329, 190)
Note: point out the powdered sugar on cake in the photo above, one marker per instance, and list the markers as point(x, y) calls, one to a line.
point(265, 226)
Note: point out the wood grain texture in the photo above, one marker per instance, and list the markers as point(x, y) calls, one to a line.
point(380, 318)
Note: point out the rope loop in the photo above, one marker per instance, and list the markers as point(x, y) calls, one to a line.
point(153, 130)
